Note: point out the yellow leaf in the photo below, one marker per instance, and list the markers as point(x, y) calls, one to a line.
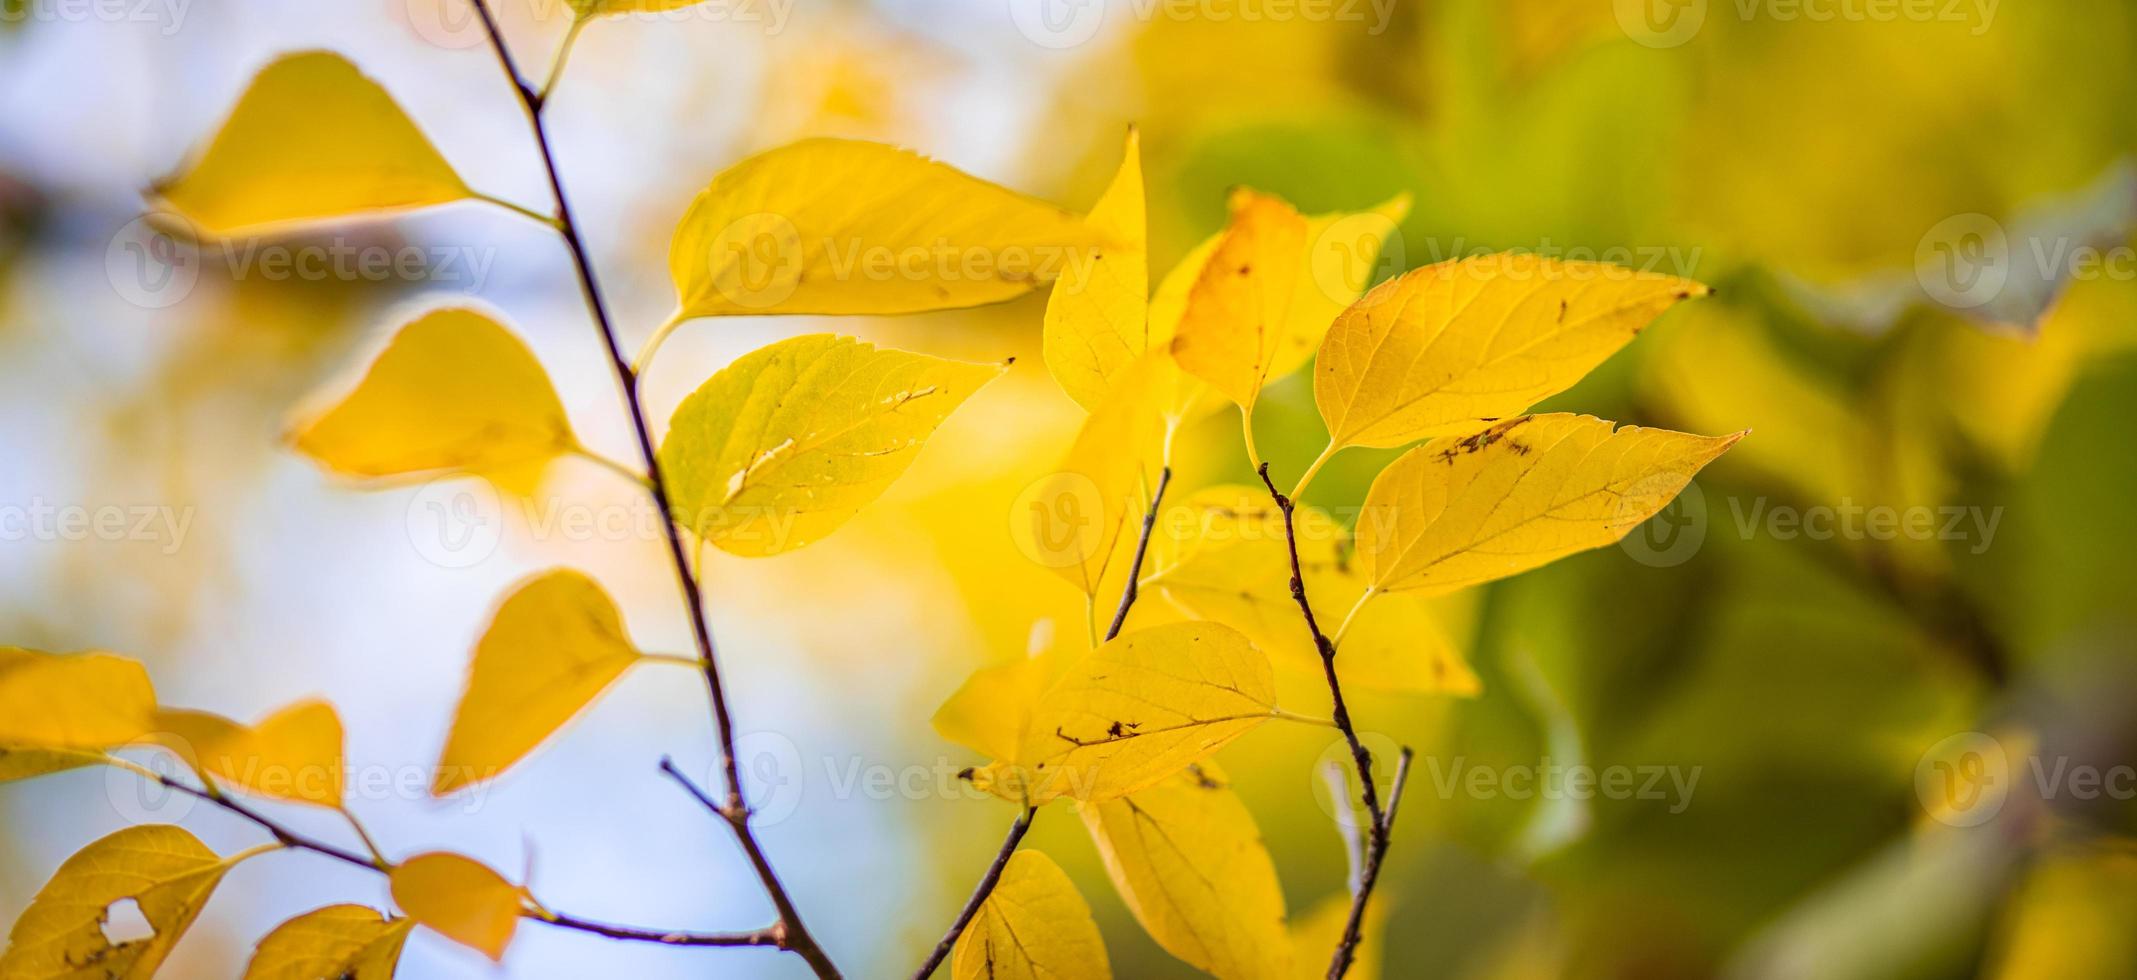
point(779, 448)
point(844, 226)
point(30, 763)
point(1455, 512)
point(587, 9)
point(1315, 934)
point(1073, 520)
point(460, 899)
point(161, 869)
point(86, 701)
point(1237, 312)
point(1440, 349)
point(311, 138)
point(1135, 711)
point(554, 645)
point(1033, 926)
point(990, 710)
point(1234, 567)
point(293, 754)
point(1097, 318)
point(344, 942)
point(1190, 864)
point(1342, 252)
point(453, 392)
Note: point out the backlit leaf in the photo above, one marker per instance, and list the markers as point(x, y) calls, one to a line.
point(554, 645)
point(1458, 511)
point(30, 763)
point(312, 138)
point(293, 754)
point(1191, 865)
point(453, 392)
point(1444, 348)
point(844, 226)
point(1135, 711)
point(1073, 521)
point(1236, 314)
point(1097, 318)
point(87, 701)
point(460, 899)
point(1033, 926)
point(161, 869)
point(341, 942)
point(782, 446)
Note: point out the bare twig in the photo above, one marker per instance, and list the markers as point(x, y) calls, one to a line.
point(1376, 847)
point(734, 808)
point(979, 894)
point(987, 882)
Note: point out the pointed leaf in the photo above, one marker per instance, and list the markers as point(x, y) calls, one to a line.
point(1134, 712)
point(453, 392)
point(460, 899)
point(343, 942)
point(844, 226)
point(1439, 350)
point(1238, 311)
point(1191, 865)
point(1033, 926)
point(72, 701)
point(554, 645)
point(163, 870)
point(310, 139)
point(1455, 512)
point(293, 754)
point(1097, 318)
point(782, 446)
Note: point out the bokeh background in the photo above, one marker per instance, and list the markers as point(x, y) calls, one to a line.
point(1918, 216)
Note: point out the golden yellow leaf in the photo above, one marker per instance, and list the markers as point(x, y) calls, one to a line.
point(1232, 565)
point(1033, 926)
point(87, 701)
point(341, 942)
point(1190, 864)
point(161, 869)
point(844, 226)
point(1458, 511)
point(453, 392)
point(1236, 314)
point(1342, 252)
point(311, 138)
point(1441, 349)
point(293, 754)
point(554, 645)
point(989, 711)
point(1135, 711)
point(459, 898)
point(779, 448)
point(30, 763)
point(1098, 317)
point(1073, 520)
point(1315, 934)
point(587, 9)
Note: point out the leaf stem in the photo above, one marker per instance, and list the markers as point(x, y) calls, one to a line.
point(556, 66)
point(979, 894)
point(1343, 628)
point(617, 467)
point(547, 219)
point(735, 810)
point(1313, 469)
point(660, 336)
point(378, 857)
point(1377, 830)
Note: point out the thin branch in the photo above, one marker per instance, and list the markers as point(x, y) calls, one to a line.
point(1376, 847)
point(979, 894)
point(1142, 547)
point(735, 809)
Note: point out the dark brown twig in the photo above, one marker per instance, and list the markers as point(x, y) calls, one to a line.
point(1377, 829)
point(1142, 546)
point(735, 810)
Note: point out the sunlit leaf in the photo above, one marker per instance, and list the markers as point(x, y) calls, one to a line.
point(460, 899)
point(1033, 926)
point(453, 392)
point(553, 646)
point(1074, 521)
point(30, 763)
point(782, 446)
point(1440, 349)
point(1097, 318)
point(1237, 311)
point(293, 754)
point(160, 869)
point(1458, 511)
point(1135, 711)
point(843, 226)
point(342, 942)
point(311, 138)
point(1191, 865)
point(84, 701)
